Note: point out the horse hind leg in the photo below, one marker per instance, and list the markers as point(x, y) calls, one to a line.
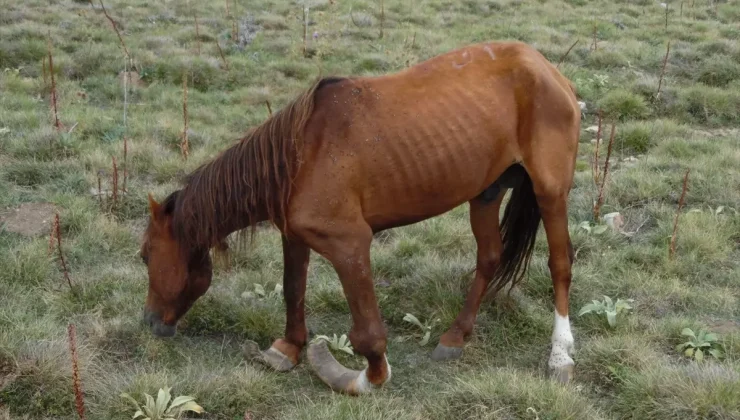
point(484, 221)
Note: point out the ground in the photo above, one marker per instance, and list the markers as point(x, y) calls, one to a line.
point(631, 370)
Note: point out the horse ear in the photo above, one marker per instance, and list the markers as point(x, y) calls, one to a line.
point(154, 207)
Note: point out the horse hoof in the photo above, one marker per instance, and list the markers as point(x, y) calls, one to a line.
point(563, 374)
point(442, 353)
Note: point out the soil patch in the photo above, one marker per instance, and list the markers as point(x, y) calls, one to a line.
point(29, 219)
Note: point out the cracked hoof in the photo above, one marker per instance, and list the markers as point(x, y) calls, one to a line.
point(563, 374)
point(442, 353)
point(271, 357)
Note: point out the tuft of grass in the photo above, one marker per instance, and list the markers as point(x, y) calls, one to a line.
point(624, 105)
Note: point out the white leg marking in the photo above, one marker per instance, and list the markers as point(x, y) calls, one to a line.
point(363, 384)
point(562, 343)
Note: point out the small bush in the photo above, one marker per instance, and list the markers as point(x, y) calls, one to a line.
point(719, 71)
point(624, 105)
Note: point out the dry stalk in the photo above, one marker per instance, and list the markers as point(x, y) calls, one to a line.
point(269, 108)
point(564, 55)
point(57, 123)
point(382, 17)
point(595, 165)
point(115, 182)
point(58, 230)
point(228, 12)
point(197, 33)
point(672, 251)
point(662, 71)
point(680, 13)
point(125, 163)
point(115, 28)
point(234, 31)
point(184, 145)
point(596, 41)
point(305, 30)
point(77, 382)
point(667, 9)
point(223, 57)
point(600, 200)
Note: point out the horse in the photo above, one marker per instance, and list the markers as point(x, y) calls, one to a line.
point(352, 156)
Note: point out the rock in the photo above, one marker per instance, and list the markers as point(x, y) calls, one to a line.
point(134, 78)
point(582, 105)
point(614, 220)
point(592, 129)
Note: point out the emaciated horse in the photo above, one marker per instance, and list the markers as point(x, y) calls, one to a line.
point(350, 157)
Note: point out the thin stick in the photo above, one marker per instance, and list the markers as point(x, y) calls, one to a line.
point(599, 201)
point(184, 145)
point(57, 123)
point(382, 17)
point(115, 182)
point(662, 71)
point(680, 14)
point(125, 163)
point(595, 43)
point(269, 108)
point(413, 40)
point(59, 248)
point(666, 15)
point(234, 31)
point(564, 55)
point(223, 57)
point(305, 29)
point(77, 383)
point(115, 28)
point(197, 33)
point(228, 13)
point(672, 251)
point(595, 168)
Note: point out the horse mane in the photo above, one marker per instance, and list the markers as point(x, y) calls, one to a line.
point(246, 183)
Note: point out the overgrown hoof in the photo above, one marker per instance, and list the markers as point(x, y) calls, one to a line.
point(270, 357)
point(442, 353)
point(563, 374)
point(338, 377)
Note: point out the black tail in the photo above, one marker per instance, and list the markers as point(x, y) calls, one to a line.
point(518, 233)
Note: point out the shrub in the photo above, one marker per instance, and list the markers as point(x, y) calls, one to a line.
point(624, 105)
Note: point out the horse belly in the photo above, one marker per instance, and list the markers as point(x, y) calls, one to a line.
point(418, 180)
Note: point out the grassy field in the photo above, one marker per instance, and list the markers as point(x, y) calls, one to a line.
point(631, 370)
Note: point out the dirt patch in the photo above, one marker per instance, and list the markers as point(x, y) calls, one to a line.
point(724, 327)
point(30, 219)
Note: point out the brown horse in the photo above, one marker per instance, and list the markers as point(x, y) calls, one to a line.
point(353, 156)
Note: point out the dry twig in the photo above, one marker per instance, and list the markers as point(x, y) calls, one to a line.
point(564, 55)
point(662, 71)
point(77, 382)
point(185, 145)
point(115, 28)
point(600, 200)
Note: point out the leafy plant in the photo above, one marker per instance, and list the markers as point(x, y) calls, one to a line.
point(608, 307)
point(699, 345)
point(426, 329)
point(590, 227)
point(259, 291)
point(158, 410)
point(342, 343)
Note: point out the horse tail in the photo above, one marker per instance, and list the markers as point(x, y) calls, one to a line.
point(518, 233)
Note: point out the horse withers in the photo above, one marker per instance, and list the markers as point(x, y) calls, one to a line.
point(350, 157)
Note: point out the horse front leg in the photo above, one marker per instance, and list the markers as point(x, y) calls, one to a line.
point(348, 249)
point(285, 352)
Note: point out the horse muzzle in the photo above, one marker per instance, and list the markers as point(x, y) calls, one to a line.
point(159, 328)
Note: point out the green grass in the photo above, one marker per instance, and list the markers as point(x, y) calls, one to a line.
point(630, 371)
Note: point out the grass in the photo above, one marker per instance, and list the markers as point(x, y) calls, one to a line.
point(630, 371)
